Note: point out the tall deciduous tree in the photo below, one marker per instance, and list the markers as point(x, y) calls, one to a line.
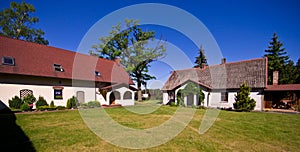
point(16, 22)
point(277, 58)
point(132, 47)
point(200, 59)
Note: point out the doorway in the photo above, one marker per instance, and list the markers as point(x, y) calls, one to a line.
point(190, 99)
point(80, 96)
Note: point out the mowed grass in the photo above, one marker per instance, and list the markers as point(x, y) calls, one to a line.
point(232, 131)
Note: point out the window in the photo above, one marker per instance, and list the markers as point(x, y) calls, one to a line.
point(8, 61)
point(25, 92)
point(224, 96)
point(58, 67)
point(127, 95)
point(58, 94)
point(97, 73)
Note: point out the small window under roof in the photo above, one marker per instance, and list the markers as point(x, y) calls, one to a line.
point(97, 73)
point(58, 67)
point(6, 60)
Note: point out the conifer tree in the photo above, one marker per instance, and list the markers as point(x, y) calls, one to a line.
point(200, 59)
point(298, 71)
point(243, 102)
point(289, 74)
point(277, 58)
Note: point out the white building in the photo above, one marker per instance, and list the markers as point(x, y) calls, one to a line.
point(57, 74)
point(220, 83)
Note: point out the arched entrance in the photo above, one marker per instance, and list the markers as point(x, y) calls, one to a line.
point(115, 95)
point(193, 94)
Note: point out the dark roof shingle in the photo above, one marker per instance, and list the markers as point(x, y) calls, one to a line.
point(223, 76)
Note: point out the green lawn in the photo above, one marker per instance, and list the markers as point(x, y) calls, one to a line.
point(232, 131)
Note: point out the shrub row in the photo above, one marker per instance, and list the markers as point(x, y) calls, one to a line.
point(24, 104)
point(90, 104)
point(25, 107)
point(41, 102)
point(42, 105)
point(72, 103)
point(15, 102)
point(43, 108)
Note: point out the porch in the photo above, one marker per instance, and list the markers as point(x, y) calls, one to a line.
point(285, 97)
point(118, 94)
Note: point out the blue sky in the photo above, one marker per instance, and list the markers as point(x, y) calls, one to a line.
point(242, 29)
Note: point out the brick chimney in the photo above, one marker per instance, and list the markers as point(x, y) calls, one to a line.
point(203, 66)
point(223, 60)
point(275, 77)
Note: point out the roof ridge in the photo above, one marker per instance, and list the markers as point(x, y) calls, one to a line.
point(6, 37)
point(247, 60)
point(234, 62)
point(187, 69)
point(53, 47)
point(237, 62)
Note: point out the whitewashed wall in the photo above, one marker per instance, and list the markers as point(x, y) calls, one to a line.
point(123, 102)
point(165, 97)
point(231, 99)
point(176, 91)
point(7, 91)
point(205, 98)
point(259, 98)
point(101, 99)
point(215, 100)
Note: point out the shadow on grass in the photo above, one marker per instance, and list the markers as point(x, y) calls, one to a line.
point(12, 137)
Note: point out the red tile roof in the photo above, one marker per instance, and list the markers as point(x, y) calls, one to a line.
point(283, 87)
point(37, 60)
point(223, 76)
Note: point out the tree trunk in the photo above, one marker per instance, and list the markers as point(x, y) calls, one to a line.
point(139, 95)
point(139, 84)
